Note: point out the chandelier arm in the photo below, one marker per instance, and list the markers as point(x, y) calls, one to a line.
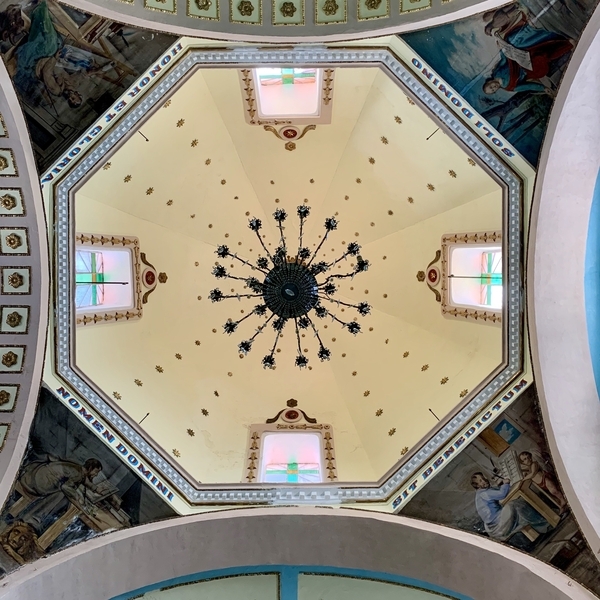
point(336, 276)
point(262, 327)
point(281, 236)
point(228, 276)
point(342, 257)
point(318, 248)
point(314, 328)
point(244, 318)
point(338, 302)
point(298, 337)
point(240, 296)
point(301, 233)
point(249, 264)
point(264, 247)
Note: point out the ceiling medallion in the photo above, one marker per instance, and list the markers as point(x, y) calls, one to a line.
point(291, 289)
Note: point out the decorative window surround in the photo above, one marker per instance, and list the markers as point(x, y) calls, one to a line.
point(451, 310)
point(289, 421)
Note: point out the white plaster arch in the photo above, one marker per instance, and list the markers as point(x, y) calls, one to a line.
point(559, 340)
point(131, 559)
point(180, 24)
point(28, 378)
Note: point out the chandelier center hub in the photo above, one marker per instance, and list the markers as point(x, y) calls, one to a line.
point(290, 290)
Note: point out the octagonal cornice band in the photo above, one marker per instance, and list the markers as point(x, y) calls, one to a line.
point(487, 397)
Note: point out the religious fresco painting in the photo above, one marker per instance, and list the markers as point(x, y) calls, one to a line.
point(68, 67)
point(507, 63)
point(504, 486)
point(70, 488)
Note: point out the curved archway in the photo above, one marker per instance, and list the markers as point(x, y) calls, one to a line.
point(463, 564)
point(561, 355)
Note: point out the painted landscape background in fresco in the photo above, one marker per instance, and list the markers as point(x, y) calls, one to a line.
point(504, 486)
point(68, 67)
point(70, 488)
point(508, 62)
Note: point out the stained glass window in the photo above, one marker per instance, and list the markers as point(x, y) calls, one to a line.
point(89, 275)
point(292, 473)
point(286, 76)
point(491, 279)
point(291, 458)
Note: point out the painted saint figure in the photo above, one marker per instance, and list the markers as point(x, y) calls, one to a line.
point(528, 52)
point(500, 521)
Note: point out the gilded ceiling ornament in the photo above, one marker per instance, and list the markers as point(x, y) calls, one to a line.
point(138, 382)
point(392, 431)
point(424, 367)
point(372, 4)
point(372, 160)
point(410, 101)
point(127, 178)
point(197, 342)
point(204, 412)
point(378, 412)
point(406, 354)
point(167, 104)
point(366, 393)
point(207, 162)
point(216, 393)
point(464, 393)
point(203, 4)
point(195, 142)
point(431, 187)
point(384, 140)
point(162, 277)
point(149, 191)
point(291, 403)
point(410, 200)
point(346, 197)
point(290, 290)
point(159, 369)
point(8, 201)
point(15, 280)
point(176, 453)
point(358, 180)
point(230, 374)
point(193, 216)
point(169, 202)
point(290, 146)
point(398, 120)
point(287, 9)
point(178, 356)
point(246, 8)
point(311, 181)
point(444, 380)
point(191, 432)
point(180, 123)
point(14, 319)
point(3, 163)
point(421, 276)
point(107, 166)
point(354, 373)
point(10, 359)
point(13, 241)
point(390, 212)
point(117, 396)
point(330, 7)
point(223, 181)
point(452, 174)
point(4, 397)
point(404, 451)
point(471, 162)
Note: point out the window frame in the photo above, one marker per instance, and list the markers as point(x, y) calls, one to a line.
point(452, 309)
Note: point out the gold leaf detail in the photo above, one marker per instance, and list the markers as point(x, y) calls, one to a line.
point(392, 431)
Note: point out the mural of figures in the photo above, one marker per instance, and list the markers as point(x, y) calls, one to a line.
point(503, 486)
point(508, 62)
point(68, 67)
point(70, 488)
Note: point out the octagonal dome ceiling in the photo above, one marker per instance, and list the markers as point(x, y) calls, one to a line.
point(190, 179)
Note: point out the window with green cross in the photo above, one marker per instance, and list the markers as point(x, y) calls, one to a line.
point(293, 472)
point(89, 277)
point(491, 278)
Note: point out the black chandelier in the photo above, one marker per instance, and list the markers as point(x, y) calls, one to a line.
point(290, 289)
